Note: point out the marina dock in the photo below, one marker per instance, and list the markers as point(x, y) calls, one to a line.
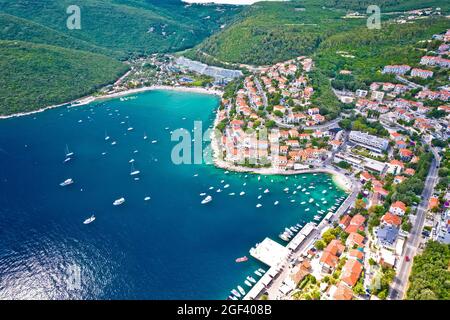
point(275, 256)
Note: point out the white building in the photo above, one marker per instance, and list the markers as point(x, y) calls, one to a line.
point(368, 141)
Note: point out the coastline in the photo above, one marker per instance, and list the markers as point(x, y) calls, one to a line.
point(89, 99)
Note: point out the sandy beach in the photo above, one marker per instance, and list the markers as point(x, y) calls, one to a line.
point(89, 99)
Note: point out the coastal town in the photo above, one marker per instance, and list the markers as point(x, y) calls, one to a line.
point(388, 147)
point(225, 155)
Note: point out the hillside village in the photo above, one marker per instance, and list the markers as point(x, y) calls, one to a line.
point(385, 143)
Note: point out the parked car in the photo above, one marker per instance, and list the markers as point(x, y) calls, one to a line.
point(407, 259)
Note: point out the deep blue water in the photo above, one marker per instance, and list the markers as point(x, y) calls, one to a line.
point(170, 247)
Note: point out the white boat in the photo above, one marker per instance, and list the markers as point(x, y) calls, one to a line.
point(133, 171)
point(261, 270)
point(259, 205)
point(67, 160)
point(226, 186)
point(154, 141)
point(89, 220)
point(202, 194)
point(311, 200)
point(324, 191)
point(316, 218)
point(233, 298)
point(286, 189)
point(130, 129)
point(207, 200)
point(113, 143)
point(259, 274)
point(236, 294)
point(118, 202)
point(68, 152)
point(66, 182)
point(242, 193)
point(251, 279)
point(145, 136)
point(231, 194)
point(293, 200)
point(248, 283)
point(259, 197)
point(106, 136)
point(266, 191)
point(131, 161)
point(241, 290)
point(276, 203)
point(147, 198)
point(303, 202)
point(218, 190)
point(307, 209)
point(284, 237)
point(304, 189)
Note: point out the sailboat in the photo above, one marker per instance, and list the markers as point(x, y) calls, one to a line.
point(134, 171)
point(106, 136)
point(68, 152)
point(145, 136)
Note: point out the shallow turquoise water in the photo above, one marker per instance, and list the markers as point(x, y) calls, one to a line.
point(170, 247)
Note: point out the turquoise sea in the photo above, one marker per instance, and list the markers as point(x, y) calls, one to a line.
point(170, 247)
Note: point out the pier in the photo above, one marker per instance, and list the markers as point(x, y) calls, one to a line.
point(273, 279)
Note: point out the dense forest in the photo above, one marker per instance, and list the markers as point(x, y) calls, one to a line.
point(430, 275)
point(63, 75)
point(49, 63)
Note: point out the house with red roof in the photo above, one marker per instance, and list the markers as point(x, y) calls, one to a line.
point(390, 219)
point(395, 167)
point(340, 292)
point(351, 272)
point(345, 221)
point(405, 154)
point(433, 203)
point(398, 208)
point(330, 255)
point(399, 179)
point(354, 239)
point(355, 224)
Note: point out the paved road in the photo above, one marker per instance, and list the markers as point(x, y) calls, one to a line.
point(400, 283)
point(409, 83)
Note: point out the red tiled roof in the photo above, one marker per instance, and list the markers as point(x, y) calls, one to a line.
point(351, 272)
point(399, 204)
point(391, 219)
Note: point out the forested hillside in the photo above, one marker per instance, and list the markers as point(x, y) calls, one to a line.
point(35, 75)
point(430, 275)
point(44, 68)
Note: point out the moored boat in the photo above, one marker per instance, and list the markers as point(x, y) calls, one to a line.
point(66, 182)
point(119, 202)
point(207, 200)
point(241, 259)
point(89, 220)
